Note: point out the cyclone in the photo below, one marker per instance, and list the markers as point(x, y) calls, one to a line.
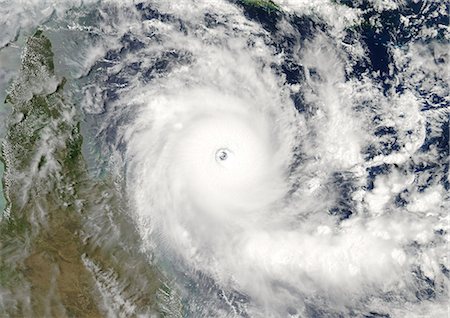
point(275, 158)
point(232, 187)
point(217, 157)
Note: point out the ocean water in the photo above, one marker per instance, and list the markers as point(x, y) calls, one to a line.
point(225, 158)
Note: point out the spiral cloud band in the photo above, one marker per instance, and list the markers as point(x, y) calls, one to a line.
point(254, 158)
point(264, 173)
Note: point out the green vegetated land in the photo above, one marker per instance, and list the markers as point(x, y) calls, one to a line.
point(264, 4)
point(57, 219)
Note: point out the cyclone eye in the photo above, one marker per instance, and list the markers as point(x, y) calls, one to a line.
point(222, 155)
